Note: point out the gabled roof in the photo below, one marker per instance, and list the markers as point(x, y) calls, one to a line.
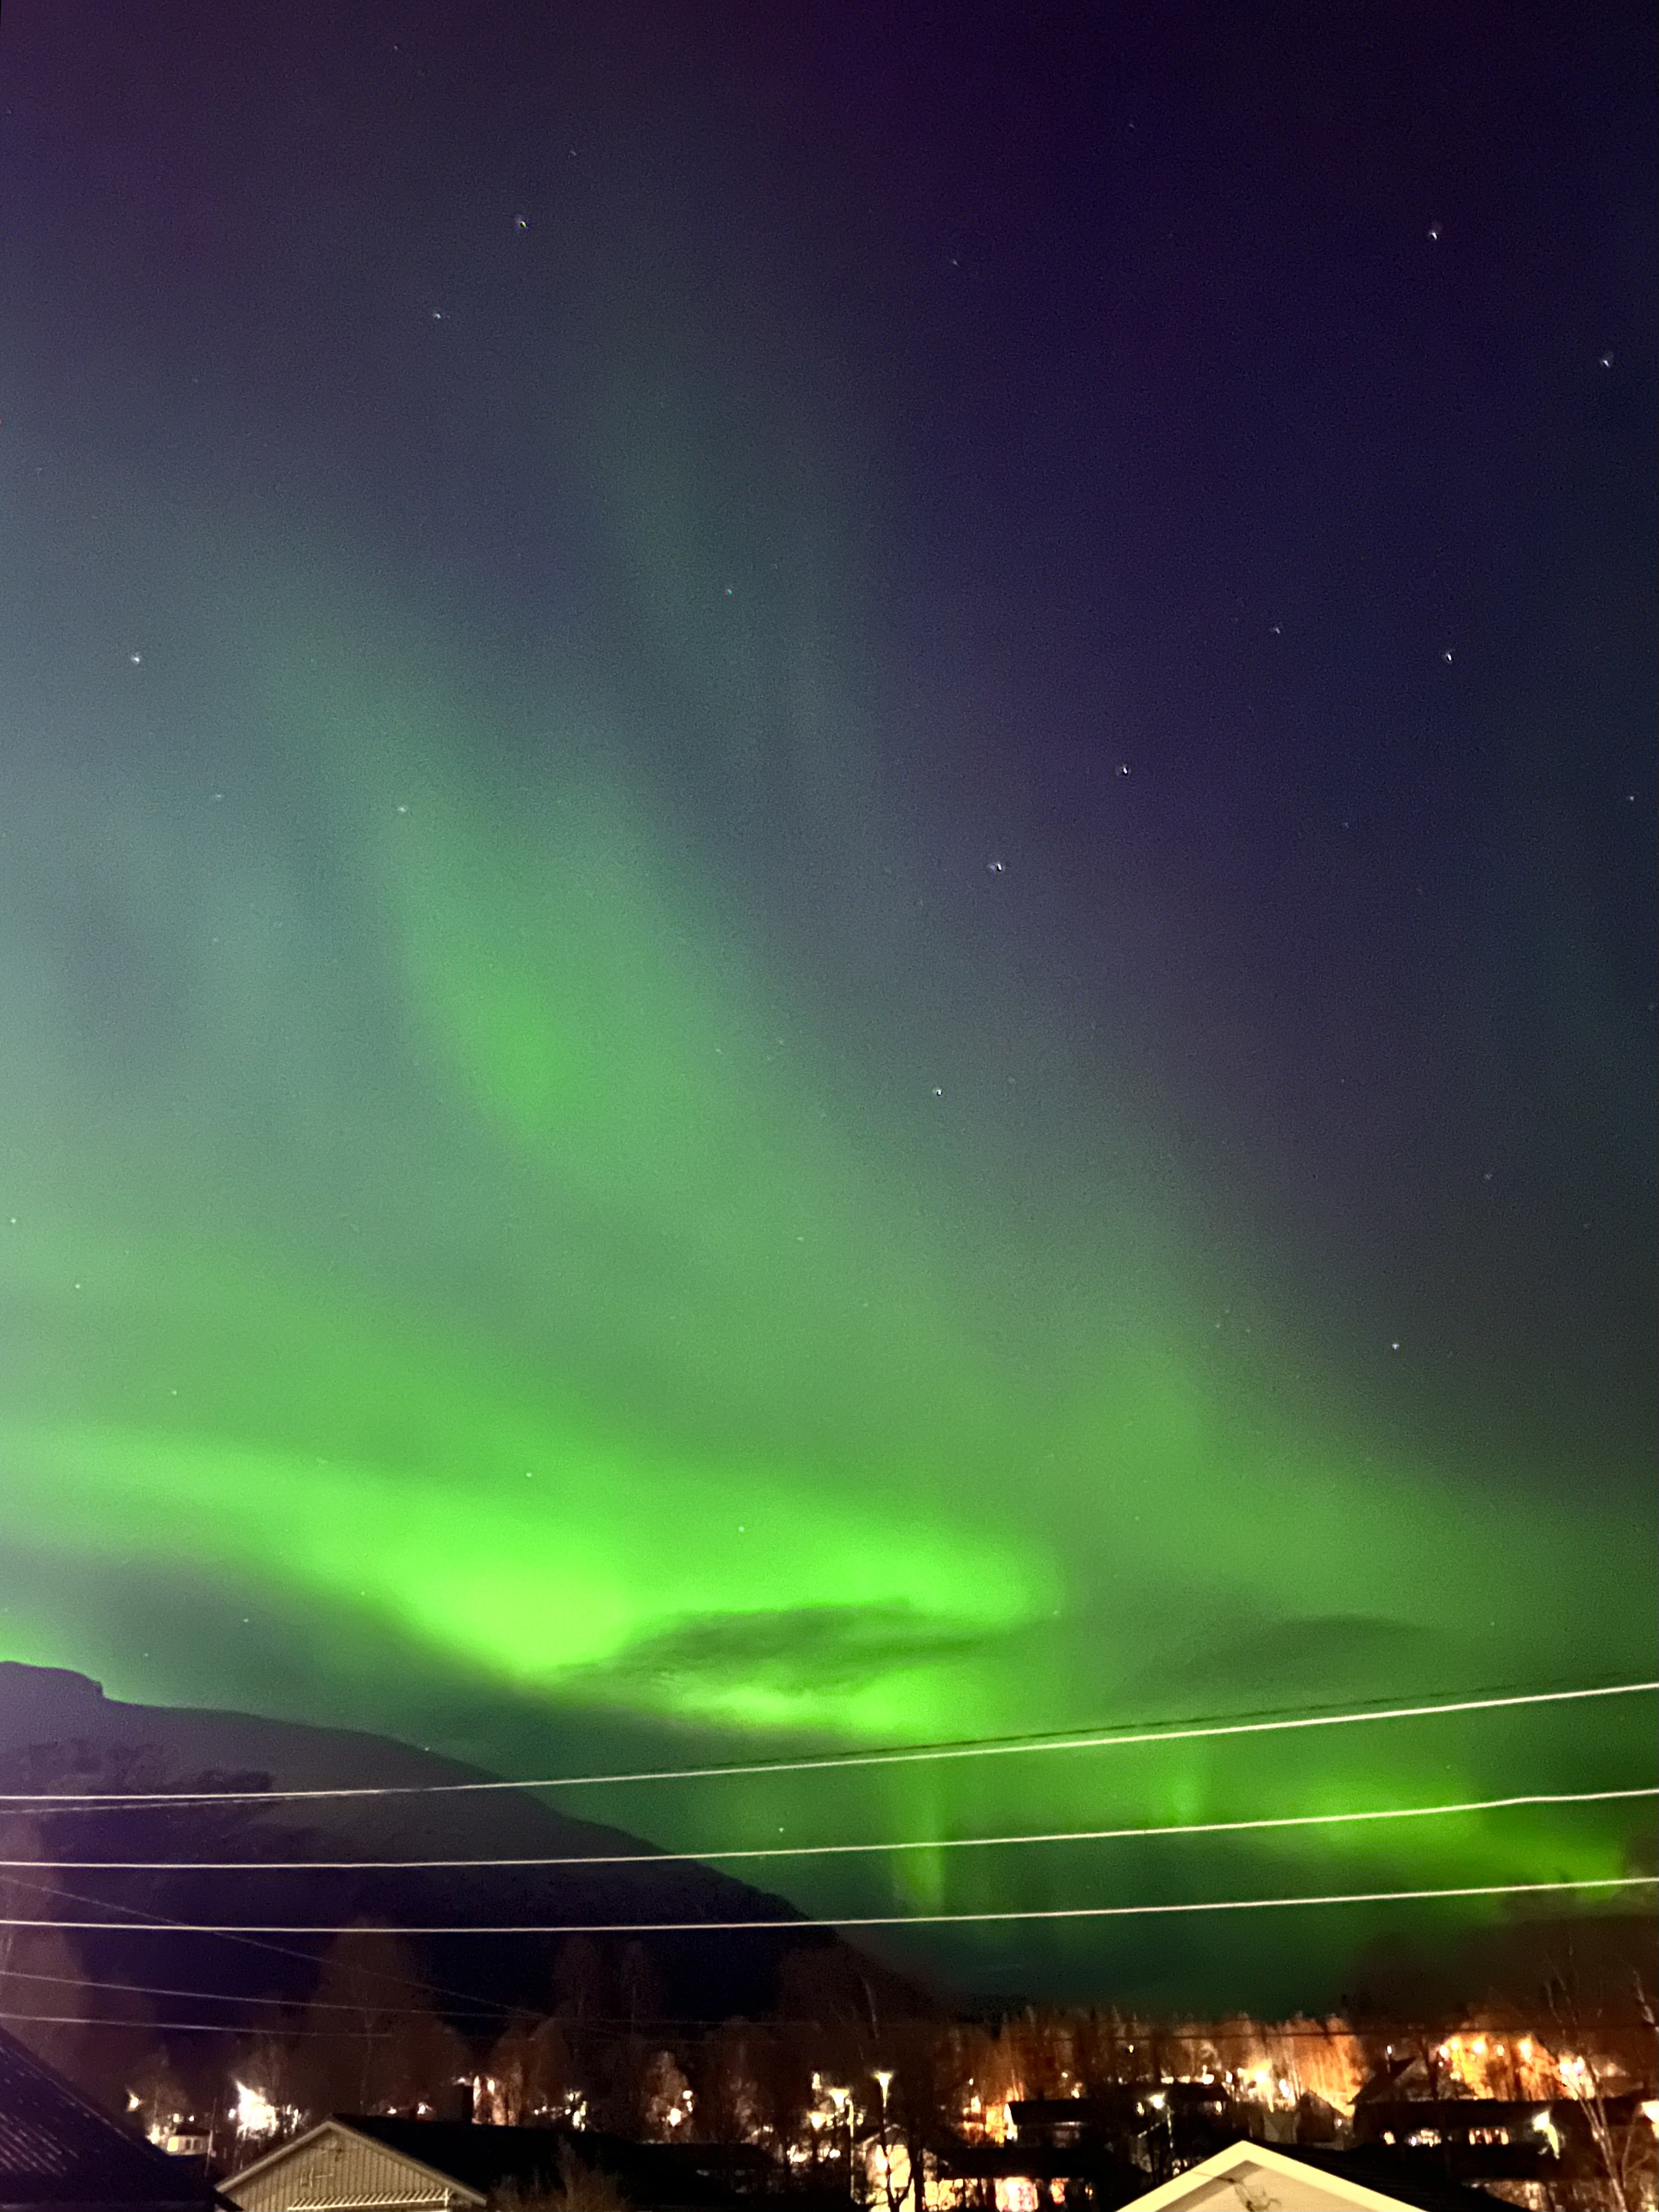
point(59, 2150)
point(1305, 2181)
point(483, 2158)
point(469, 2162)
point(343, 2133)
point(1389, 2079)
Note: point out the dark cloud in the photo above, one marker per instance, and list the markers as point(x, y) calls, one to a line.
point(827, 1646)
point(1295, 1657)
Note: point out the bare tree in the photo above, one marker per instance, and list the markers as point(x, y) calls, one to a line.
point(42, 1992)
point(1592, 2075)
point(582, 2188)
point(375, 2041)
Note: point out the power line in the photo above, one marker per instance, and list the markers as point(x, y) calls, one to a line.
point(181, 2027)
point(484, 2010)
point(616, 2030)
point(141, 2027)
point(187, 2026)
point(248, 1942)
point(1371, 2030)
point(851, 1920)
point(978, 1747)
point(828, 1850)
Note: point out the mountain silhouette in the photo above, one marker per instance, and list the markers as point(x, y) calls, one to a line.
point(59, 1732)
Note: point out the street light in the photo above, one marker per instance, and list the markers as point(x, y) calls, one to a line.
point(842, 2101)
point(883, 2079)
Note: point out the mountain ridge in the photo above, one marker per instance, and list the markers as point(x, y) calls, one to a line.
point(54, 1722)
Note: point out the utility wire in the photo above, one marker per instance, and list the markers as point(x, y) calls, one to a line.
point(247, 1943)
point(1276, 2031)
point(616, 2028)
point(829, 1851)
point(610, 2026)
point(788, 1925)
point(486, 2010)
point(161, 2027)
point(185, 2027)
point(979, 1747)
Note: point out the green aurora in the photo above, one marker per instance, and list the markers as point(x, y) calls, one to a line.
point(616, 1202)
point(528, 1309)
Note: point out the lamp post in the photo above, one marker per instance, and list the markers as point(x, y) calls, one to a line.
point(1160, 2104)
point(883, 2079)
point(842, 2101)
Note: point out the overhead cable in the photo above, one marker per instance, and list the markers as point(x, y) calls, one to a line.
point(787, 1924)
point(831, 1851)
point(1278, 2030)
point(74, 1981)
point(979, 1747)
point(249, 1943)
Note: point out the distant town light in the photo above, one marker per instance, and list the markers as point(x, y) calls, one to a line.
point(255, 2114)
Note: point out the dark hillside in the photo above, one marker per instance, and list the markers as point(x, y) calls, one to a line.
point(58, 1730)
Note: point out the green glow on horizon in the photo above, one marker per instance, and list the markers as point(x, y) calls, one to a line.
point(480, 1261)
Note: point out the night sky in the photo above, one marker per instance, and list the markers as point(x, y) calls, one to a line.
point(827, 914)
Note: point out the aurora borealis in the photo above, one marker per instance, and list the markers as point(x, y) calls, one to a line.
point(825, 915)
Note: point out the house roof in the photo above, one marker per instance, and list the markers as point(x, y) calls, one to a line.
point(476, 2159)
point(1305, 2181)
point(58, 2149)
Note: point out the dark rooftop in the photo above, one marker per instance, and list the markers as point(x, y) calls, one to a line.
point(58, 2150)
point(700, 2177)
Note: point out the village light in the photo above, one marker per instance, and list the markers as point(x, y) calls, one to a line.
point(255, 2114)
point(1544, 2124)
point(842, 2101)
point(883, 2080)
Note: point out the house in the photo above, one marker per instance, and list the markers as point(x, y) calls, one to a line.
point(1102, 2149)
point(60, 2153)
point(1263, 2179)
point(1025, 2177)
point(1155, 2125)
point(354, 2163)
